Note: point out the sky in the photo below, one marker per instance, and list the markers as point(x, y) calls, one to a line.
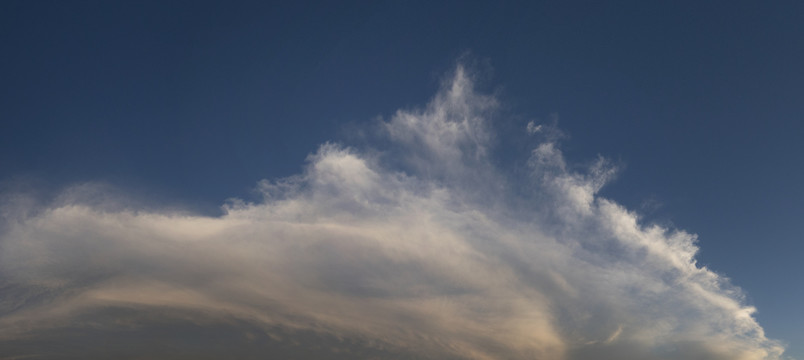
point(401, 180)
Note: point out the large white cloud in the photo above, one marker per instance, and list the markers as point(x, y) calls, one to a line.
point(422, 248)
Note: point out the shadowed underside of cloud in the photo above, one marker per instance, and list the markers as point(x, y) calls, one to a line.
point(420, 249)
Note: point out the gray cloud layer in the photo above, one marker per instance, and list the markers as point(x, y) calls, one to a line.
point(421, 250)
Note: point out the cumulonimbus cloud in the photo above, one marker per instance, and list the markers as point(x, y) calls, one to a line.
point(422, 249)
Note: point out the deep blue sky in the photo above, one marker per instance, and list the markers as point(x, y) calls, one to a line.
point(193, 102)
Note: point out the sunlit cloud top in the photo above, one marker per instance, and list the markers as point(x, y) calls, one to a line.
point(420, 248)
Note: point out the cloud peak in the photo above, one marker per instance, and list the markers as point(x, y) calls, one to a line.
point(420, 251)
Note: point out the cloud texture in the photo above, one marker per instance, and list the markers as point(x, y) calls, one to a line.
point(420, 248)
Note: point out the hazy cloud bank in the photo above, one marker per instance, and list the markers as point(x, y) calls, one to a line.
point(420, 249)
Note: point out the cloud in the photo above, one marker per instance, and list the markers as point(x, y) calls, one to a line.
point(417, 248)
point(532, 128)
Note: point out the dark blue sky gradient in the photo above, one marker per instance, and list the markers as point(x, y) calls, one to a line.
point(193, 102)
